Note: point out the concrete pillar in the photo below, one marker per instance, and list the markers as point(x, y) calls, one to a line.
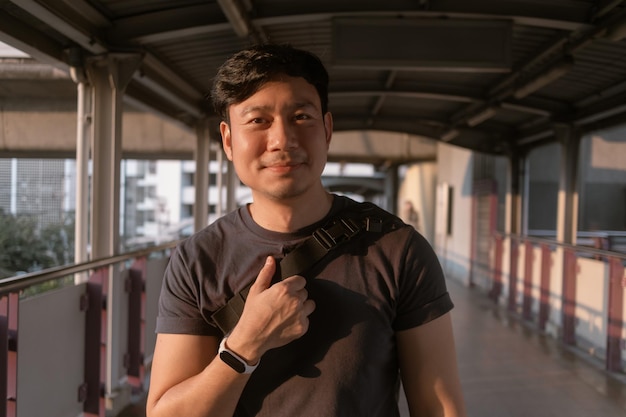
point(514, 200)
point(220, 183)
point(567, 224)
point(232, 184)
point(391, 189)
point(201, 179)
point(109, 75)
point(567, 216)
point(513, 222)
point(83, 148)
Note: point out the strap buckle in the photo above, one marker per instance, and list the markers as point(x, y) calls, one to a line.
point(338, 232)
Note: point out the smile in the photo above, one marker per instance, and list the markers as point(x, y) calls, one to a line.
point(284, 168)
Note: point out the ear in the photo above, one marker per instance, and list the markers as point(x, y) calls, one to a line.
point(227, 143)
point(328, 127)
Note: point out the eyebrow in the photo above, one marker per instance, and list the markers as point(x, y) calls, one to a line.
point(294, 106)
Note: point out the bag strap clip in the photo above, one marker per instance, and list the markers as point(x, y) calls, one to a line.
point(340, 231)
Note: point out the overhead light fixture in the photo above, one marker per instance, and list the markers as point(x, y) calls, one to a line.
point(546, 78)
point(449, 135)
point(480, 117)
point(236, 17)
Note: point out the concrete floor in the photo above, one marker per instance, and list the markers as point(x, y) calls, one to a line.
point(510, 370)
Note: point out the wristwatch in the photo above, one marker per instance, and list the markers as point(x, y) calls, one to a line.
point(233, 360)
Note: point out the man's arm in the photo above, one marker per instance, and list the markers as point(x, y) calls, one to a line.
point(187, 379)
point(428, 367)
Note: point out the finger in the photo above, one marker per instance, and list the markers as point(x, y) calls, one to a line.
point(264, 279)
point(308, 307)
point(295, 282)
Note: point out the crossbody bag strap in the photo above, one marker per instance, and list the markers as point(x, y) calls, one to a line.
point(338, 231)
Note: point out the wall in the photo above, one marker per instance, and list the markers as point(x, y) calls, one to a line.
point(454, 167)
point(419, 187)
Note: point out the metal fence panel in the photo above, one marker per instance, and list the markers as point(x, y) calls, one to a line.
point(154, 277)
point(50, 359)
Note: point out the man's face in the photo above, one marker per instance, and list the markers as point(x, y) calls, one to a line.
point(278, 139)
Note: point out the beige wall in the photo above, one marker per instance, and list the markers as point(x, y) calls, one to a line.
point(454, 167)
point(418, 186)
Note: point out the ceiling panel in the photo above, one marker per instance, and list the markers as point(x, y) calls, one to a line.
point(551, 62)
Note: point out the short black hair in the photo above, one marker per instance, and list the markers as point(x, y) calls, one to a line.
point(241, 75)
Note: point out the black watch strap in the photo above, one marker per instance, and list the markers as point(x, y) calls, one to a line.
point(235, 361)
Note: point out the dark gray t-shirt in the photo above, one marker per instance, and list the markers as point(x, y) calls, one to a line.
point(346, 364)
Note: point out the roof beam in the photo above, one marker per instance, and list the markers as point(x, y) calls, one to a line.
point(427, 95)
point(80, 36)
point(170, 24)
point(34, 43)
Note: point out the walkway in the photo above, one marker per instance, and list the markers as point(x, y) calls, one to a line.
point(508, 370)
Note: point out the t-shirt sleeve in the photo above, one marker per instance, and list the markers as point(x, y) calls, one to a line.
point(180, 309)
point(423, 295)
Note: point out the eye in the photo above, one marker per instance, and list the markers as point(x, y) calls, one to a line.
point(302, 116)
point(256, 120)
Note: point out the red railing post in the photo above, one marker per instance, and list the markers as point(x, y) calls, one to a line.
point(95, 343)
point(528, 281)
point(496, 288)
point(569, 296)
point(615, 315)
point(544, 294)
point(513, 275)
point(8, 354)
point(136, 308)
point(4, 359)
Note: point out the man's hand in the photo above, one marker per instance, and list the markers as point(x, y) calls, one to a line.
point(273, 315)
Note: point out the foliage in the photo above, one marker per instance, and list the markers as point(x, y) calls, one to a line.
point(24, 248)
point(59, 239)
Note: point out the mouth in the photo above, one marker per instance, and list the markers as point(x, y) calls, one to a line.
point(283, 165)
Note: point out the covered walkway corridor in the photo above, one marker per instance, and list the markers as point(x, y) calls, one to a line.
point(503, 121)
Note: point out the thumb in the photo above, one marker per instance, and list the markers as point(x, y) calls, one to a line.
point(264, 279)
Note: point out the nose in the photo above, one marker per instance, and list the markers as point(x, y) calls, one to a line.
point(282, 135)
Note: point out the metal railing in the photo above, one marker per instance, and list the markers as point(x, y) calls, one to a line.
point(572, 292)
point(76, 340)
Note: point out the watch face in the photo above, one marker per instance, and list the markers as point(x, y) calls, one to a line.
point(233, 362)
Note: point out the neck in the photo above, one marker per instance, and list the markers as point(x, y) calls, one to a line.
point(290, 216)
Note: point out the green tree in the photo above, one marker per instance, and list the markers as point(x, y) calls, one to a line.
point(59, 240)
point(21, 247)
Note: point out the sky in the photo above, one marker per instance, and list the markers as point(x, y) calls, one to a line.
point(7, 51)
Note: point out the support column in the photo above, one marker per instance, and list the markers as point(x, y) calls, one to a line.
point(567, 216)
point(513, 223)
point(391, 189)
point(201, 179)
point(232, 183)
point(109, 75)
point(219, 210)
point(516, 175)
point(567, 224)
point(83, 148)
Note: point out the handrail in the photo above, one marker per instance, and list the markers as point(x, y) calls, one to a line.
point(20, 282)
point(576, 248)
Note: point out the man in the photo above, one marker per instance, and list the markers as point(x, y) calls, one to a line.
point(329, 345)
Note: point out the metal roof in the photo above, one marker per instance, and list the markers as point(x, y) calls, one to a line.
point(494, 76)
